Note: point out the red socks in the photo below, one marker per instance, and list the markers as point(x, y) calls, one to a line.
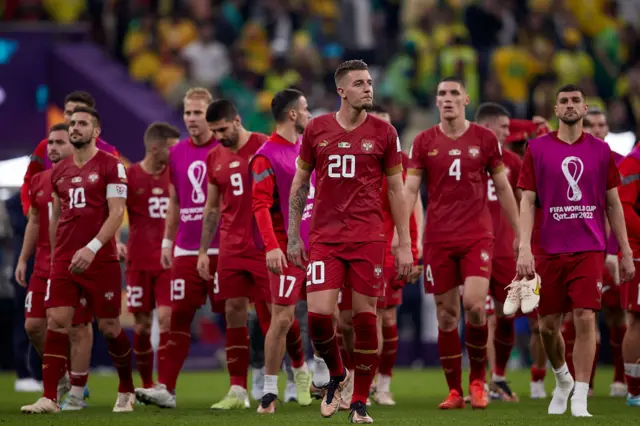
point(78, 379)
point(389, 350)
point(171, 358)
point(503, 343)
point(163, 351)
point(617, 336)
point(54, 362)
point(322, 334)
point(237, 347)
point(476, 340)
point(294, 345)
point(538, 374)
point(450, 350)
point(144, 358)
point(569, 336)
point(120, 352)
point(365, 354)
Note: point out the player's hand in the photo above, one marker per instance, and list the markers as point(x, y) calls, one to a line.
point(416, 270)
point(296, 253)
point(404, 260)
point(276, 261)
point(203, 267)
point(526, 265)
point(81, 260)
point(613, 266)
point(122, 251)
point(166, 258)
point(627, 268)
point(21, 273)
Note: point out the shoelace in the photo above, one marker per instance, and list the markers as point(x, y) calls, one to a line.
point(514, 291)
point(331, 387)
point(359, 408)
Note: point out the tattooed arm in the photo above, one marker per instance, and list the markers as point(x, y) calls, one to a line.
point(210, 219)
point(297, 201)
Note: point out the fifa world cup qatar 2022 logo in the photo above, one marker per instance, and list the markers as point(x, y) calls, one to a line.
point(196, 173)
point(572, 168)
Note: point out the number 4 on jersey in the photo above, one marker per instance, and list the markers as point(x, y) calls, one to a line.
point(454, 169)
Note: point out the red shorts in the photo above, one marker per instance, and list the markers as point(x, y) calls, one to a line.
point(503, 271)
point(448, 265)
point(288, 288)
point(630, 292)
point(100, 285)
point(611, 294)
point(148, 289)
point(392, 289)
point(570, 281)
point(188, 291)
point(34, 303)
point(354, 266)
point(243, 277)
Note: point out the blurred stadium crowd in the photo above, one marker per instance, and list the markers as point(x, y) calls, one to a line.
point(515, 52)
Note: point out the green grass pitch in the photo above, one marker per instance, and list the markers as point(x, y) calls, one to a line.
point(417, 393)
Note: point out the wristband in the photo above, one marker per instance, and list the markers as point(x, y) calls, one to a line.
point(94, 245)
point(166, 243)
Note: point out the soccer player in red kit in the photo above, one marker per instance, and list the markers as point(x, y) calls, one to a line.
point(572, 177)
point(148, 282)
point(39, 161)
point(37, 237)
point(350, 151)
point(456, 156)
point(272, 169)
point(630, 292)
point(242, 271)
point(503, 267)
point(89, 200)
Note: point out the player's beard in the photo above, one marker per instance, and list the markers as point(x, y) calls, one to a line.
point(571, 121)
point(299, 127)
point(80, 143)
point(231, 141)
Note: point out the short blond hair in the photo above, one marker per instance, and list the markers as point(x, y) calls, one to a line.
point(199, 93)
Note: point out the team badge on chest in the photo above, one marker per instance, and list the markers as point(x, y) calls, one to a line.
point(474, 151)
point(367, 146)
point(93, 177)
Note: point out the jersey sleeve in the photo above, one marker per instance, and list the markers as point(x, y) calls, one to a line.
point(211, 161)
point(495, 163)
point(306, 159)
point(392, 153)
point(116, 179)
point(36, 165)
point(527, 178)
point(613, 175)
point(515, 169)
point(416, 165)
point(264, 184)
point(629, 191)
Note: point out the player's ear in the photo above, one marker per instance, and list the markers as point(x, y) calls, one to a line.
point(466, 98)
point(340, 91)
point(96, 132)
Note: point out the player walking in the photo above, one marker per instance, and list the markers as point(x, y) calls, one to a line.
point(37, 237)
point(183, 224)
point(242, 273)
point(350, 151)
point(90, 190)
point(503, 266)
point(456, 156)
point(570, 269)
point(148, 282)
point(272, 169)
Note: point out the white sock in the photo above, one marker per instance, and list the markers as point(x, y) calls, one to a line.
point(562, 374)
point(384, 383)
point(632, 370)
point(270, 385)
point(304, 368)
point(497, 378)
point(580, 391)
point(77, 391)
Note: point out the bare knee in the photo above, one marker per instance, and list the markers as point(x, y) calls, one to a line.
point(448, 316)
point(584, 320)
point(164, 319)
point(388, 317)
point(475, 311)
point(281, 321)
point(143, 323)
point(549, 326)
point(236, 311)
point(345, 322)
point(59, 319)
point(109, 327)
point(35, 328)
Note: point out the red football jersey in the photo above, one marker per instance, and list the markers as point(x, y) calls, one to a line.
point(41, 199)
point(147, 205)
point(229, 171)
point(502, 230)
point(630, 197)
point(350, 168)
point(83, 194)
point(456, 179)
